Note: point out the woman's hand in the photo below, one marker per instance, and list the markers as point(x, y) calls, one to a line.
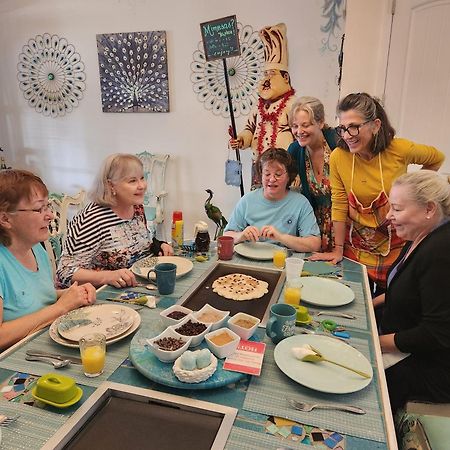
point(120, 278)
point(270, 232)
point(250, 233)
point(334, 257)
point(77, 296)
point(236, 143)
point(166, 250)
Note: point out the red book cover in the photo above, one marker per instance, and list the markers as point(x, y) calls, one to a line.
point(247, 358)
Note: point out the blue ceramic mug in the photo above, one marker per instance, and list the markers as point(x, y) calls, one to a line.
point(166, 274)
point(281, 323)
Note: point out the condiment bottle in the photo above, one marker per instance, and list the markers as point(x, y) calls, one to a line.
point(177, 229)
point(202, 238)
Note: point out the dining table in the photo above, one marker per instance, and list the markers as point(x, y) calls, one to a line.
point(261, 401)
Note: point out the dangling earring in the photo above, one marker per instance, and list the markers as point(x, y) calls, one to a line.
point(428, 217)
point(113, 192)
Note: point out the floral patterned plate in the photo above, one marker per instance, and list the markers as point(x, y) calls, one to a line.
point(142, 267)
point(110, 320)
point(54, 335)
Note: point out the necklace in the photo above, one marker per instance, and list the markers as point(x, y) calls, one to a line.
point(271, 117)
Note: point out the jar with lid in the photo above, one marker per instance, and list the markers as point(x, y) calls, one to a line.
point(202, 238)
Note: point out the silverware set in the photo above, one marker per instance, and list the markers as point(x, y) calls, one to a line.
point(56, 360)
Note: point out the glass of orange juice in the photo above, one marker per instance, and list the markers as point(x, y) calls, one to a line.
point(279, 257)
point(93, 350)
point(293, 291)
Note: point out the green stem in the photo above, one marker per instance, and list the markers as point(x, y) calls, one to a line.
point(359, 372)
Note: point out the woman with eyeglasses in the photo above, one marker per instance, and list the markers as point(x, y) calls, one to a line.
point(311, 153)
point(28, 298)
point(273, 212)
point(110, 233)
point(363, 166)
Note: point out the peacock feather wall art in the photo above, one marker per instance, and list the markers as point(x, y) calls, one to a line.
point(133, 72)
point(51, 75)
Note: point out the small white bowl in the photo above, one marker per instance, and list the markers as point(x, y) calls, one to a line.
point(168, 355)
point(208, 309)
point(168, 320)
point(196, 339)
point(244, 333)
point(222, 351)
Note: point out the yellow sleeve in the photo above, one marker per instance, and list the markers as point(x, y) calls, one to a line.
point(339, 194)
point(426, 155)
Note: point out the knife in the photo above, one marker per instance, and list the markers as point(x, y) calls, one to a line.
point(72, 359)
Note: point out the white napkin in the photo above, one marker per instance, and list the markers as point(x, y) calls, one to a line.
point(152, 301)
point(390, 359)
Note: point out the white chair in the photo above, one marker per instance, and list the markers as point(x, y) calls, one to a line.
point(155, 175)
point(63, 207)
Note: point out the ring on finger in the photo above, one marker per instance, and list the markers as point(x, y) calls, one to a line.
point(121, 280)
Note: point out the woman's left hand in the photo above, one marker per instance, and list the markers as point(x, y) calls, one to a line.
point(270, 232)
point(166, 250)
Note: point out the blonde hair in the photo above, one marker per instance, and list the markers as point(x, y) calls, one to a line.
point(115, 168)
point(427, 186)
point(312, 106)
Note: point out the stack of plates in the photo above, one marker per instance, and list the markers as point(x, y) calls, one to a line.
point(114, 321)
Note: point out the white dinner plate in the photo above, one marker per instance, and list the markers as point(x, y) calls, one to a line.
point(110, 320)
point(262, 251)
point(55, 336)
point(323, 376)
point(325, 292)
point(142, 267)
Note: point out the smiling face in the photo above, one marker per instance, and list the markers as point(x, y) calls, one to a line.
point(307, 132)
point(274, 180)
point(360, 144)
point(410, 219)
point(273, 85)
point(130, 189)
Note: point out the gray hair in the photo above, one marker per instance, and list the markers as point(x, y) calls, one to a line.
point(312, 106)
point(427, 186)
point(115, 168)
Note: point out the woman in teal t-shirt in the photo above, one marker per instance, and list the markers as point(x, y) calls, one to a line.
point(28, 299)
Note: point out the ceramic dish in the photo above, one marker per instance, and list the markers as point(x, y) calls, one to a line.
point(110, 320)
point(167, 321)
point(208, 309)
point(325, 292)
point(243, 332)
point(222, 351)
point(142, 267)
point(323, 376)
point(78, 395)
point(262, 251)
point(55, 336)
point(168, 355)
point(196, 339)
point(196, 375)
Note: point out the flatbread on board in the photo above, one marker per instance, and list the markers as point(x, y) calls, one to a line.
point(237, 286)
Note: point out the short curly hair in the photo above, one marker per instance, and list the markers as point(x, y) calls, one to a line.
point(279, 155)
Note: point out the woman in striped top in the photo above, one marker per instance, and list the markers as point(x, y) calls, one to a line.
point(110, 233)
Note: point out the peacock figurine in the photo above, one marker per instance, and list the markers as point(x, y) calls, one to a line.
point(215, 214)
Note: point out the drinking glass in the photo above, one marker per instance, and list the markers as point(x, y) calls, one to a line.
point(93, 350)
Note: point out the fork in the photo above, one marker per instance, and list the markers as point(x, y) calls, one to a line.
point(7, 421)
point(307, 407)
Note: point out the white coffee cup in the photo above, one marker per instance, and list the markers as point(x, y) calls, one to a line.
point(294, 267)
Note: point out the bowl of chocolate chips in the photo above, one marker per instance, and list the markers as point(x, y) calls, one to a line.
point(169, 345)
point(193, 328)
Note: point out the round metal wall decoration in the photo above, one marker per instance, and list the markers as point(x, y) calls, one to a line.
point(244, 72)
point(51, 75)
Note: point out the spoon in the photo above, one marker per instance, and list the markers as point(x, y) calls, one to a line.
point(310, 354)
point(56, 364)
point(335, 314)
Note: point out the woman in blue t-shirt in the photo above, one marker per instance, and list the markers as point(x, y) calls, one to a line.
point(28, 298)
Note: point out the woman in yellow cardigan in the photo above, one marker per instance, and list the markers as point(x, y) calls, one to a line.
point(362, 168)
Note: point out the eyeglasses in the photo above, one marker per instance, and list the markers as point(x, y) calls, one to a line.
point(43, 209)
point(352, 130)
point(277, 176)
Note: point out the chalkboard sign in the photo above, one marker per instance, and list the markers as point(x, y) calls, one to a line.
point(220, 38)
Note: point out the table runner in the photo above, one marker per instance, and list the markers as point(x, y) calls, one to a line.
point(267, 395)
point(33, 428)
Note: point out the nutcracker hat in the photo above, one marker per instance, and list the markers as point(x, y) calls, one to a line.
point(275, 47)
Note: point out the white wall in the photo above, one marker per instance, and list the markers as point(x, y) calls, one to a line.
point(67, 151)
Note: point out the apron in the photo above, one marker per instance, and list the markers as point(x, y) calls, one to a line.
point(370, 238)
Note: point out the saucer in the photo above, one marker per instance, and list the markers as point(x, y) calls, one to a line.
point(71, 402)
